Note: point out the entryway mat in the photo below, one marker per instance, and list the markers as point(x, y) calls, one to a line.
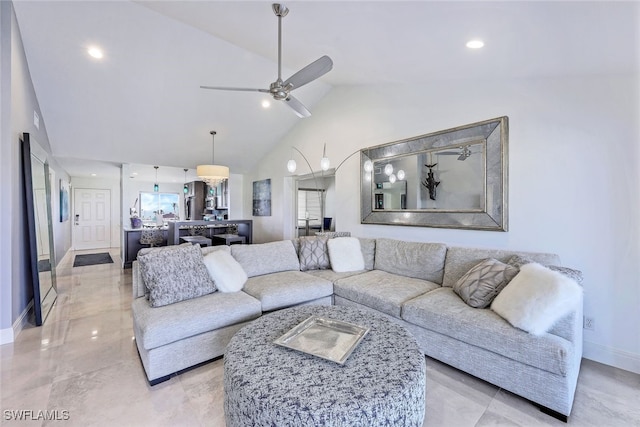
point(92, 259)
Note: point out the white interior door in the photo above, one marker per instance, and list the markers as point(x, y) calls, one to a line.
point(92, 218)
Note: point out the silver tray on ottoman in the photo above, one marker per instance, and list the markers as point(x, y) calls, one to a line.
point(329, 339)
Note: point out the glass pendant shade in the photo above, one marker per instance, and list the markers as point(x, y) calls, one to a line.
point(185, 188)
point(156, 187)
point(392, 178)
point(401, 174)
point(291, 166)
point(388, 169)
point(325, 163)
point(368, 166)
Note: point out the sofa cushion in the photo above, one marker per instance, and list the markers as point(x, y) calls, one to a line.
point(442, 311)
point(164, 325)
point(483, 282)
point(345, 254)
point(266, 258)
point(333, 234)
point(225, 271)
point(519, 260)
point(333, 276)
point(287, 288)
point(459, 260)
point(313, 253)
point(368, 248)
point(385, 292)
point(537, 298)
point(174, 274)
point(411, 259)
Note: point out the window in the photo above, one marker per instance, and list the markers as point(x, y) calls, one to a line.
point(152, 204)
point(309, 202)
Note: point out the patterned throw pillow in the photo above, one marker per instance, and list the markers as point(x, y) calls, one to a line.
point(175, 273)
point(313, 253)
point(518, 261)
point(480, 285)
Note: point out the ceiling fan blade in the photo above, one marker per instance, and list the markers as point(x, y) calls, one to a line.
point(448, 153)
point(237, 89)
point(300, 110)
point(309, 73)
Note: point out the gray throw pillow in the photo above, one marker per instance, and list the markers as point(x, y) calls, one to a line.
point(518, 261)
point(480, 285)
point(314, 254)
point(175, 273)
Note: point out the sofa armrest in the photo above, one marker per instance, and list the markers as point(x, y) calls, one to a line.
point(570, 326)
point(139, 289)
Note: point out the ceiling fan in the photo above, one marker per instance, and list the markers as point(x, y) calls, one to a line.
point(281, 90)
point(464, 153)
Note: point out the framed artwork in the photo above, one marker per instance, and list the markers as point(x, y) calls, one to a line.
point(64, 200)
point(262, 198)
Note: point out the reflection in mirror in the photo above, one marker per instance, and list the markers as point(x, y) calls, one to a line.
point(455, 178)
point(40, 227)
point(448, 178)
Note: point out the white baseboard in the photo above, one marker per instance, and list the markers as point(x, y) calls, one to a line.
point(6, 336)
point(611, 356)
point(9, 335)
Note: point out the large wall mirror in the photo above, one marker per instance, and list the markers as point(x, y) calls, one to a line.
point(37, 187)
point(456, 178)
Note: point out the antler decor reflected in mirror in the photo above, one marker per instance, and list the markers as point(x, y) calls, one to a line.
point(455, 178)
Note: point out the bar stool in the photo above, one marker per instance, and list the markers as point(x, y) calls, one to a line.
point(151, 236)
point(196, 240)
point(231, 239)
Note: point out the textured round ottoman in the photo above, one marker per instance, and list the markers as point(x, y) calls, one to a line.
point(382, 383)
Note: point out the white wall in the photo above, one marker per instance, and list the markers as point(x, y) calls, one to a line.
point(573, 178)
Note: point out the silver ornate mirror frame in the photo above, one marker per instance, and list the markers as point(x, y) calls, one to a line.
point(493, 214)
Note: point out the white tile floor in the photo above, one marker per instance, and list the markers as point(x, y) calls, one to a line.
point(84, 361)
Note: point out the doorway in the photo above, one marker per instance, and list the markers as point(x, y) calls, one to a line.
point(92, 218)
point(314, 208)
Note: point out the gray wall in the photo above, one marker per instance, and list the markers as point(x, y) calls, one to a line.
point(18, 104)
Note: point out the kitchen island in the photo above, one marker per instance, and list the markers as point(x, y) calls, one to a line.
point(173, 230)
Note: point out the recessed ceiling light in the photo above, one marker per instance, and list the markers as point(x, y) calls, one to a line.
point(95, 52)
point(93, 174)
point(475, 44)
point(266, 103)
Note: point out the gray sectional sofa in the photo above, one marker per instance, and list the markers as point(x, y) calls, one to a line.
point(410, 282)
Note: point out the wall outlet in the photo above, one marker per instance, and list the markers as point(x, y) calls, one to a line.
point(589, 323)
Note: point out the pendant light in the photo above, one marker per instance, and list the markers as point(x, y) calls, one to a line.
point(156, 187)
point(185, 189)
point(212, 174)
point(324, 161)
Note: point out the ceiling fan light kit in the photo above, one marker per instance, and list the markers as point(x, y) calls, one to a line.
point(281, 90)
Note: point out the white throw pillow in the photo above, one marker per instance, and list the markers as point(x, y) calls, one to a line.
point(537, 298)
point(225, 271)
point(345, 254)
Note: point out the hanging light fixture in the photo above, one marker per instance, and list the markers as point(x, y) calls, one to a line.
point(156, 187)
point(185, 189)
point(324, 161)
point(212, 174)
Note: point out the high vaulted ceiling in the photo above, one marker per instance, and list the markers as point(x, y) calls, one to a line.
point(142, 103)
